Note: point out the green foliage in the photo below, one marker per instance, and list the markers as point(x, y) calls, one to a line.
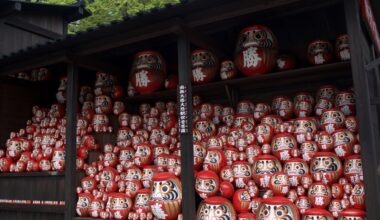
point(105, 11)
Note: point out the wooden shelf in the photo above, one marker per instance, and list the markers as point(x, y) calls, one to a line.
point(33, 174)
point(33, 208)
point(168, 95)
point(245, 85)
point(85, 218)
point(314, 73)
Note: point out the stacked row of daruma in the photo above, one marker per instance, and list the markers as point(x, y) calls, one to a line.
point(257, 52)
point(294, 158)
point(39, 146)
point(138, 178)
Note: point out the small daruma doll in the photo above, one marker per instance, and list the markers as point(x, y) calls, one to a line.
point(279, 184)
point(345, 101)
point(357, 196)
point(200, 152)
point(303, 127)
point(58, 160)
point(315, 214)
point(319, 195)
point(204, 66)
point(277, 208)
point(119, 205)
point(216, 208)
point(206, 184)
point(282, 145)
point(295, 168)
point(241, 200)
point(148, 72)
point(264, 133)
point(83, 204)
point(285, 62)
point(353, 169)
point(327, 164)
point(332, 120)
point(141, 204)
point(342, 48)
point(263, 169)
point(228, 70)
point(256, 50)
point(215, 160)
point(320, 52)
point(143, 155)
point(242, 173)
point(344, 141)
point(166, 196)
point(206, 127)
point(261, 110)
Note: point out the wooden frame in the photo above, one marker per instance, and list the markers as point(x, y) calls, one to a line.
point(77, 53)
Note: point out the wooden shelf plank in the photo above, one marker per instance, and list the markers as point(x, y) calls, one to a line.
point(33, 174)
point(33, 208)
point(162, 95)
point(305, 74)
point(86, 218)
point(314, 73)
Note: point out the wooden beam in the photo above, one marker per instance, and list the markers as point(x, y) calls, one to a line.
point(373, 64)
point(369, 131)
point(200, 40)
point(187, 155)
point(125, 38)
point(32, 28)
point(71, 127)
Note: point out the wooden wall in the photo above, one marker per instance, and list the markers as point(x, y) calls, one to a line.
point(13, 39)
point(16, 101)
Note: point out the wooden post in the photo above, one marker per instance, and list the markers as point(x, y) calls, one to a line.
point(186, 137)
point(369, 130)
point(71, 127)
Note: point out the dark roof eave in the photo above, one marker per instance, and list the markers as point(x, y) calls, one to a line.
point(70, 12)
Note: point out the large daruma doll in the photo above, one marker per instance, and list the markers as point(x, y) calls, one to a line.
point(148, 72)
point(204, 66)
point(166, 196)
point(256, 50)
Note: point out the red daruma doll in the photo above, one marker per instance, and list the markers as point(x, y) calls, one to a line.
point(166, 196)
point(83, 204)
point(319, 195)
point(206, 184)
point(256, 50)
point(119, 205)
point(320, 52)
point(279, 184)
point(148, 72)
point(204, 66)
point(263, 169)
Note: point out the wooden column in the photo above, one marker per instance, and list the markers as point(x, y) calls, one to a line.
point(187, 175)
point(70, 165)
point(369, 128)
